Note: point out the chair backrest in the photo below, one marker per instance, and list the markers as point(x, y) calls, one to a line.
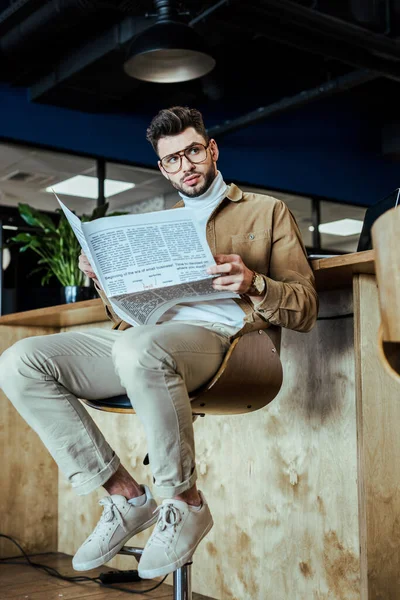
point(249, 377)
point(385, 236)
point(373, 213)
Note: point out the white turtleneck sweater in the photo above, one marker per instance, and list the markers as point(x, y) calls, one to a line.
point(215, 311)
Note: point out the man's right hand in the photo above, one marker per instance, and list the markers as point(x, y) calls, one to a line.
point(85, 266)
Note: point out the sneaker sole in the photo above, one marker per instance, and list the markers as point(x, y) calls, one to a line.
point(151, 573)
point(98, 562)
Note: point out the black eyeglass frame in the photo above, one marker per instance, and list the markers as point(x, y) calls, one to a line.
point(182, 153)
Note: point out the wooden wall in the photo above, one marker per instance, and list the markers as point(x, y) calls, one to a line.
point(28, 474)
point(281, 482)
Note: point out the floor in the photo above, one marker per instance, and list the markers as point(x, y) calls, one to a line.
point(22, 582)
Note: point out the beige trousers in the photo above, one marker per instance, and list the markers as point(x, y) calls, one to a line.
point(156, 366)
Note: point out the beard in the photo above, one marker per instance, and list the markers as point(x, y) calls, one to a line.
point(195, 192)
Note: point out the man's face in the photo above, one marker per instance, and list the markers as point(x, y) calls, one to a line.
point(192, 179)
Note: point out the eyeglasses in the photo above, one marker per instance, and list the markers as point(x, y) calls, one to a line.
point(196, 153)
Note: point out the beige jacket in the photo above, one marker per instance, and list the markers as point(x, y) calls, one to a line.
point(263, 231)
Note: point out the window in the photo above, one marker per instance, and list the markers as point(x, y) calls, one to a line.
point(340, 219)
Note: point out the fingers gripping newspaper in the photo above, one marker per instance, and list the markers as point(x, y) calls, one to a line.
point(148, 262)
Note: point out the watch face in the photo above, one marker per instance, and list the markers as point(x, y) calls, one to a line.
point(259, 283)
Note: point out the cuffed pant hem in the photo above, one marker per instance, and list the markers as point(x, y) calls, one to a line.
point(99, 479)
point(169, 491)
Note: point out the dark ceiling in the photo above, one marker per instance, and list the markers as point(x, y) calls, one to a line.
point(70, 52)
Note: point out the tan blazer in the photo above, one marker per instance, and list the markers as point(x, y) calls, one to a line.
point(262, 230)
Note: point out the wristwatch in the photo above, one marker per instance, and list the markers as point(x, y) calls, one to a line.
point(257, 286)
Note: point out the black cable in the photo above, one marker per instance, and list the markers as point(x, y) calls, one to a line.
point(347, 316)
point(77, 579)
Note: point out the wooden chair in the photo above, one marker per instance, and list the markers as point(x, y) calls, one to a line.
point(385, 239)
point(249, 377)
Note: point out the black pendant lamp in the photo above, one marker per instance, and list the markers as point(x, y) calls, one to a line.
point(169, 51)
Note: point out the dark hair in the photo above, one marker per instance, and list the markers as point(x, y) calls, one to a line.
point(172, 121)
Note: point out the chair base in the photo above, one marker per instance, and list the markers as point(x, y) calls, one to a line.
point(182, 585)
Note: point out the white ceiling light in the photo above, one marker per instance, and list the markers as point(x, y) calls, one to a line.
point(88, 187)
point(344, 227)
point(6, 258)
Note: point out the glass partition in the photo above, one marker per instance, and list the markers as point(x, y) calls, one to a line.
point(340, 226)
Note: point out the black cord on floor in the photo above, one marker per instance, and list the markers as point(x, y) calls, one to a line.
point(76, 579)
point(346, 316)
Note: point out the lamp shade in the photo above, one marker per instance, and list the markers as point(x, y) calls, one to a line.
point(168, 52)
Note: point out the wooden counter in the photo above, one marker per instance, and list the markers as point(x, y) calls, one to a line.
point(330, 273)
point(337, 272)
point(304, 493)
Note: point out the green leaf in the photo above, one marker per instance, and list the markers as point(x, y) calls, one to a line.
point(56, 245)
point(46, 278)
point(35, 218)
point(22, 237)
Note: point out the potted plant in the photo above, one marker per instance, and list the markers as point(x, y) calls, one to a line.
point(58, 249)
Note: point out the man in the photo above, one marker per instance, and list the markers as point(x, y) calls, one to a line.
point(260, 255)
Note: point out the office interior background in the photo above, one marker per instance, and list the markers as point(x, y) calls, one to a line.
point(302, 102)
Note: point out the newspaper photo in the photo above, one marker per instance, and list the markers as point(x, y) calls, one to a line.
point(147, 263)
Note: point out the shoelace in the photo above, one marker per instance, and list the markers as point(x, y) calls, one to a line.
point(110, 512)
point(169, 518)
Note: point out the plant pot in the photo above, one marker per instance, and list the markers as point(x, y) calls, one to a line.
point(77, 293)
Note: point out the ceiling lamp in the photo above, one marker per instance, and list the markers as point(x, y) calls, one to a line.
point(169, 51)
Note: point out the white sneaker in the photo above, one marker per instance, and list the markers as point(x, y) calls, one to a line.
point(118, 523)
point(179, 530)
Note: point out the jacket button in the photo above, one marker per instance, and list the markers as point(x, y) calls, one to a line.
point(251, 236)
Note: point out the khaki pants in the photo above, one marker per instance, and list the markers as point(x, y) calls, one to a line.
point(155, 365)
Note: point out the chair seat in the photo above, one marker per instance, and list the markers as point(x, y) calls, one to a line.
point(116, 402)
point(249, 377)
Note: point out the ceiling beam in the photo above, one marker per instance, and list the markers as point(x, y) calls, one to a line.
point(114, 39)
point(288, 12)
point(325, 90)
point(315, 42)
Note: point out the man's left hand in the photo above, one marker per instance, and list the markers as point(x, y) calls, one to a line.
point(235, 276)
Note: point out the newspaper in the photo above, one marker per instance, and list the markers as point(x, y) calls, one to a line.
point(147, 263)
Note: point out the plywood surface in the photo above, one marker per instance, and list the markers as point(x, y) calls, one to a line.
point(378, 415)
point(281, 482)
point(28, 474)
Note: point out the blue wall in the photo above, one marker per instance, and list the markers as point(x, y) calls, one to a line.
point(329, 148)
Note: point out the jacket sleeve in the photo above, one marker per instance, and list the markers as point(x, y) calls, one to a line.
point(290, 299)
point(107, 306)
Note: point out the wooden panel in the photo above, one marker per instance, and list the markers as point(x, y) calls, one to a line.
point(281, 482)
point(28, 475)
point(378, 415)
